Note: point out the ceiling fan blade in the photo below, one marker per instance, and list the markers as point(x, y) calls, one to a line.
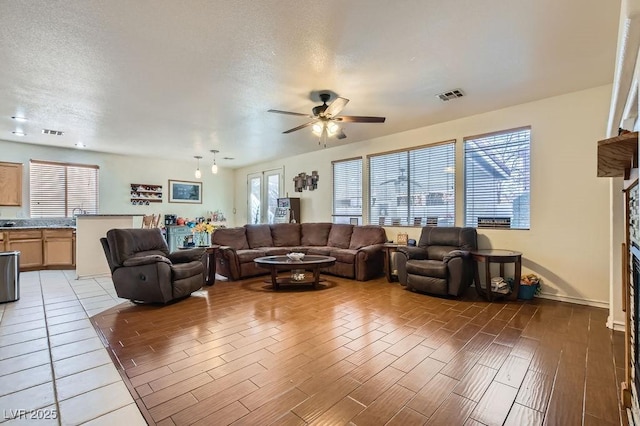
point(341, 135)
point(335, 107)
point(302, 126)
point(360, 119)
point(277, 111)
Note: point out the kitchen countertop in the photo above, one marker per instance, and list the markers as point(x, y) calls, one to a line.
point(9, 228)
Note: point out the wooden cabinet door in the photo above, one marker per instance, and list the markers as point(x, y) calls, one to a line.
point(11, 188)
point(58, 247)
point(30, 252)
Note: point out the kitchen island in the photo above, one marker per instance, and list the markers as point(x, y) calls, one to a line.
point(90, 258)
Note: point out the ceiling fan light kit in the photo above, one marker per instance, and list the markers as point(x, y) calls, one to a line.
point(325, 117)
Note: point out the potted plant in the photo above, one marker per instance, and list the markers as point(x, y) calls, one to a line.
point(529, 286)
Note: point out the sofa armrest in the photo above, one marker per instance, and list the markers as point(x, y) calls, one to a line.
point(188, 255)
point(369, 251)
point(145, 260)
point(411, 252)
point(455, 253)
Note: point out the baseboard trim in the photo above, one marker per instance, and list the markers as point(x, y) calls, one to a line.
point(576, 300)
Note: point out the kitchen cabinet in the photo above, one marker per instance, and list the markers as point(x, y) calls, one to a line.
point(42, 248)
point(29, 244)
point(11, 188)
point(58, 246)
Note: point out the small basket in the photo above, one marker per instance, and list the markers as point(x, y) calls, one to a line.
point(526, 292)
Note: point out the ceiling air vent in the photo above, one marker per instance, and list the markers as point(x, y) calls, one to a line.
point(451, 94)
point(52, 132)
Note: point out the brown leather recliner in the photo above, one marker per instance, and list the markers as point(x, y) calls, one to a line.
point(441, 263)
point(143, 270)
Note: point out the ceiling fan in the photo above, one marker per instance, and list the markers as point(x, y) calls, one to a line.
point(325, 117)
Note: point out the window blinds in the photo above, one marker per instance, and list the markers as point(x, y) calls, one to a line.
point(497, 179)
point(347, 191)
point(415, 187)
point(56, 189)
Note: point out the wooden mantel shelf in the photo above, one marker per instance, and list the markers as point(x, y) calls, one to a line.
point(617, 155)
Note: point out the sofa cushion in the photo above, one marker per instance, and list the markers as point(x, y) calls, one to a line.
point(340, 235)
point(235, 238)
point(245, 256)
point(322, 251)
point(439, 252)
point(186, 270)
point(125, 243)
point(429, 268)
point(259, 236)
point(314, 234)
point(366, 236)
point(276, 251)
point(344, 255)
point(285, 234)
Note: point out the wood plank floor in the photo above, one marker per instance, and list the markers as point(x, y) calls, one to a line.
point(367, 353)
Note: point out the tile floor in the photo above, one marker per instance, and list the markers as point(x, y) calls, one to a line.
point(54, 369)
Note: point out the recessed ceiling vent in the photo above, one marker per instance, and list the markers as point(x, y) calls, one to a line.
point(52, 132)
point(228, 158)
point(451, 94)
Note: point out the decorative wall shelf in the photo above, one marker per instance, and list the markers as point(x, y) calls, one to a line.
point(618, 155)
point(143, 194)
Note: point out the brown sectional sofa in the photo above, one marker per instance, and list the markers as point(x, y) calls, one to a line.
point(357, 249)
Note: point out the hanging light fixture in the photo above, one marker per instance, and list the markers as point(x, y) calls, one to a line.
point(214, 166)
point(198, 172)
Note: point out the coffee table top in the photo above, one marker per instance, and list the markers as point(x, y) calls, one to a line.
point(310, 259)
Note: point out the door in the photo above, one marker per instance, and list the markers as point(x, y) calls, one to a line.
point(263, 190)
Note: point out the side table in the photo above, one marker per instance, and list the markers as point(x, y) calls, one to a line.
point(389, 249)
point(496, 256)
point(210, 266)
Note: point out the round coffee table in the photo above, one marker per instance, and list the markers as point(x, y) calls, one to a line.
point(283, 263)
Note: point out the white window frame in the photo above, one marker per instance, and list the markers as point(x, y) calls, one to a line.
point(448, 195)
point(267, 203)
point(45, 196)
point(356, 189)
point(510, 164)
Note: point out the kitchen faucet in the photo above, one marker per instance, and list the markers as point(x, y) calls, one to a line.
point(73, 212)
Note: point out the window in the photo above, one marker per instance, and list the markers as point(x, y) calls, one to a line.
point(415, 187)
point(263, 190)
point(62, 189)
point(347, 191)
point(497, 179)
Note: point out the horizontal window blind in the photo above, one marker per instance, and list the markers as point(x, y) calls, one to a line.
point(497, 180)
point(347, 191)
point(56, 189)
point(414, 187)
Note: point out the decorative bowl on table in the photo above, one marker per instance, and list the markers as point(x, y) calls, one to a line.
point(296, 257)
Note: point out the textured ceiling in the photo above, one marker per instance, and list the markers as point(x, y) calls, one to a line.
point(174, 79)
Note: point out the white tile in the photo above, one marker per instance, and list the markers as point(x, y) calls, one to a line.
point(44, 416)
point(25, 379)
point(128, 415)
point(78, 363)
point(75, 348)
point(94, 404)
point(30, 398)
point(87, 380)
point(72, 336)
point(23, 348)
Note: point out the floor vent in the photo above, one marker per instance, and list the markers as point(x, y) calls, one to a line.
point(451, 94)
point(52, 132)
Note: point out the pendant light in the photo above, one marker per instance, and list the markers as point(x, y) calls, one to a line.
point(198, 172)
point(214, 167)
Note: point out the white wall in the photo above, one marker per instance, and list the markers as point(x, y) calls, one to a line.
point(568, 243)
point(116, 174)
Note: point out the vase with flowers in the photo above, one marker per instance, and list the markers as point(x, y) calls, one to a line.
point(202, 234)
point(529, 286)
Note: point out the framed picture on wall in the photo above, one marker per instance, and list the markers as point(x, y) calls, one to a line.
point(182, 191)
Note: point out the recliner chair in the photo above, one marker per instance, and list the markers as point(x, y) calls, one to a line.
point(143, 270)
point(440, 264)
